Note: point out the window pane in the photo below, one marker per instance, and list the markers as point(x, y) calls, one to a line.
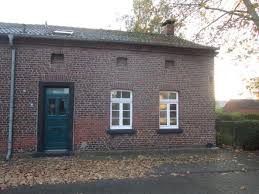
point(172, 106)
point(61, 107)
point(126, 106)
point(163, 106)
point(52, 107)
point(115, 121)
point(163, 95)
point(115, 106)
point(126, 114)
point(126, 121)
point(116, 94)
point(172, 114)
point(162, 121)
point(125, 94)
point(173, 122)
point(162, 114)
point(172, 95)
point(57, 90)
point(115, 114)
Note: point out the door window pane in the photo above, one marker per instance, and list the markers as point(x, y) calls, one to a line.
point(61, 107)
point(57, 90)
point(51, 106)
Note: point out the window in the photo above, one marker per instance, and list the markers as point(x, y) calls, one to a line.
point(122, 61)
point(168, 110)
point(57, 58)
point(169, 64)
point(121, 109)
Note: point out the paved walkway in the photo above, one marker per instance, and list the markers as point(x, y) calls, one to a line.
point(231, 173)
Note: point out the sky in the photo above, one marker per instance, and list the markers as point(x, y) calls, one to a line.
point(104, 14)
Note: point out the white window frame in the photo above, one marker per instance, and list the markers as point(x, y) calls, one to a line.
point(121, 101)
point(168, 102)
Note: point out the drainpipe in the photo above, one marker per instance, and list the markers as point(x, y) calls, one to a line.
point(11, 99)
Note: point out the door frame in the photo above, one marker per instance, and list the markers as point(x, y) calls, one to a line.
point(41, 103)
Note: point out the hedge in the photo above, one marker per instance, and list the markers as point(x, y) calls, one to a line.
point(243, 133)
point(235, 116)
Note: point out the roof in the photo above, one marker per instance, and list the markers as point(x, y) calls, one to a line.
point(97, 35)
point(242, 105)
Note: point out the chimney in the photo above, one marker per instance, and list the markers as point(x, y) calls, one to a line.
point(168, 27)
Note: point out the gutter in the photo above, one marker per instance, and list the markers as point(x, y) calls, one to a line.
point(11, 99)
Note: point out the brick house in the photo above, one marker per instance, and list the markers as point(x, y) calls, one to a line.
point(96, 90)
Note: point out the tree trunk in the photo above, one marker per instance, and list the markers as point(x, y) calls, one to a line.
point(251, 11)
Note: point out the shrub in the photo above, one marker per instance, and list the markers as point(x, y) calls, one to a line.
point(244, 133)
point(235, 116)
point(224, 133)
point(247, 134)
point(251, 116)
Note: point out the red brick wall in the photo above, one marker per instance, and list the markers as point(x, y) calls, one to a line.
point(5, 61)
point(92, 68)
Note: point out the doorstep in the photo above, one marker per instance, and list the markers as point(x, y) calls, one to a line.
point(52, 153)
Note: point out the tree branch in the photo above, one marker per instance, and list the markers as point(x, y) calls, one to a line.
point(251, 10)
point(209, 25)
point(224, 24)
point(236, 12)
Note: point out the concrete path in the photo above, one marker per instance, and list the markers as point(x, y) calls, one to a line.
point(231, 173)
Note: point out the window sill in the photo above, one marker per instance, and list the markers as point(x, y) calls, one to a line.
point(170, 130)
point(120, 131)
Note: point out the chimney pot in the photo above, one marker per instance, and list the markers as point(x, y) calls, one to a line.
point(168, 27)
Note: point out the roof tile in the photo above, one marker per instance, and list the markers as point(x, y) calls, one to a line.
point(85, 34)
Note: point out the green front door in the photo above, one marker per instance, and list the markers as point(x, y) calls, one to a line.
point(56, 119)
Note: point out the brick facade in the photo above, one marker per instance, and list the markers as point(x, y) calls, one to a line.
point(92, 68)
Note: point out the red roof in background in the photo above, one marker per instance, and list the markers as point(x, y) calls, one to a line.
point(243, 106)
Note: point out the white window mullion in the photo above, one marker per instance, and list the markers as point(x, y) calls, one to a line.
point(177, 115)
point(167, 114)
point(121, 113)
point(131, 114)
